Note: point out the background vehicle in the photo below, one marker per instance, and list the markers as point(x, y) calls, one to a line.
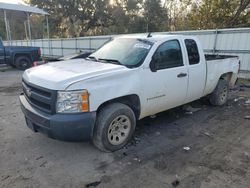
point(21, 57)
point(129, 78)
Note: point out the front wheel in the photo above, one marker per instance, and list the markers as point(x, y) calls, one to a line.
point(23, 62)
point(220, 93)
point(115, 126)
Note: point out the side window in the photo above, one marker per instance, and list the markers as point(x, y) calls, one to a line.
point(168, 55)
point(193, 52)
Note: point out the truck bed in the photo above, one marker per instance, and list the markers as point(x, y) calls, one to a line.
point(218, 65)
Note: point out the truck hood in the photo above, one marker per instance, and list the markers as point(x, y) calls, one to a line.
point(62, 74)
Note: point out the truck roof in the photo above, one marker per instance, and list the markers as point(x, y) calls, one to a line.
point(153, 38)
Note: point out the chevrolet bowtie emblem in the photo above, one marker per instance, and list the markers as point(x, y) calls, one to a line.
point(28, 91)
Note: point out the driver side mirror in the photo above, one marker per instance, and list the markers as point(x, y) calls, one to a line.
point(152, 65)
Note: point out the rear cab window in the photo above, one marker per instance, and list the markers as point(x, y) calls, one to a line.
point(193, 52)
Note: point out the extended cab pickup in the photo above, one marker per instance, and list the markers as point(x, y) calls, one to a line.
point(131, 77)
point(21, 57)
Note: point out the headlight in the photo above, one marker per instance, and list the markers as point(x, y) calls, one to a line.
point(72, 101)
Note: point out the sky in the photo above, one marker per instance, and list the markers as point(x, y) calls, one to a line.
point(11, 1)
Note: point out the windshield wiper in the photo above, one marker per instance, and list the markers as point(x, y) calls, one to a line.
point(92, 58)
point(113, 61)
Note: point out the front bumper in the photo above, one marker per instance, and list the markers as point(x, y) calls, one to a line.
point(67, 127)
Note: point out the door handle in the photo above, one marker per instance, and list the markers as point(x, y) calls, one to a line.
point(182, 75)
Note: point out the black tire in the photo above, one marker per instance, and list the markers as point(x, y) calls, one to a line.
point(23, 62)
point(104, 122)
point(220, 94)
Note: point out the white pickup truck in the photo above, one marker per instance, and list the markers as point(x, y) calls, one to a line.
point(100, 98)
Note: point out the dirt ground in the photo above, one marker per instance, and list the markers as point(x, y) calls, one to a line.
point(217, 153)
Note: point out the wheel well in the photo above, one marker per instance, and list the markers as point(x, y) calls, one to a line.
point(21, 55)
point(227, 76)
point(230, 78)
point(133, 101)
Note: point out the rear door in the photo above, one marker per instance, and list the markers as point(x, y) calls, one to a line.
point(2, 56)
point(167, 87)
point(196, 69)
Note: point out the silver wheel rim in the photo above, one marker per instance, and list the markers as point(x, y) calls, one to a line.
point(224, 94)
point(119, 130)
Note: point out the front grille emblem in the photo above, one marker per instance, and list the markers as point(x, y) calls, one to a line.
point(28, 91)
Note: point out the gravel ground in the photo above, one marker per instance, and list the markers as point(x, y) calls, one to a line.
point(217, 141)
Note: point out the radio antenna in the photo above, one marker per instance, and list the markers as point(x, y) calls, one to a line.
point(149, 35)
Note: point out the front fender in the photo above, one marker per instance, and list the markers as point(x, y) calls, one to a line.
point(107, 87)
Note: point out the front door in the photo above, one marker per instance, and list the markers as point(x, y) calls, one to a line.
point(167, 87)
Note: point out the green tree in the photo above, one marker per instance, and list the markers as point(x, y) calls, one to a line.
point(127, 17)
point(136, 21)
point(219, 14)
point(76, 17)
point(72, 18)
point(155, 15)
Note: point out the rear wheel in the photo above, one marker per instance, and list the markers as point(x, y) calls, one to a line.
point(23, 62)
point(115, 126)
point(220, 94)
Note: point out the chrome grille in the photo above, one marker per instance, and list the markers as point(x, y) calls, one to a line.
point(41, 98)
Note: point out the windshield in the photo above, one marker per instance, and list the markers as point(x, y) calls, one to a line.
point(128, 52)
